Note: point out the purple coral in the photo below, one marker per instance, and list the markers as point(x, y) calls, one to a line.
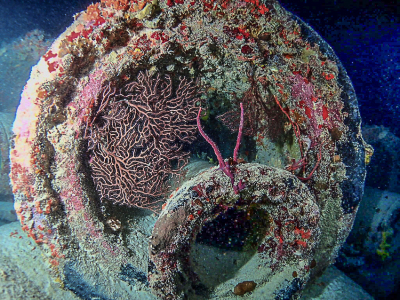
point(136, 138)
point(224, 166)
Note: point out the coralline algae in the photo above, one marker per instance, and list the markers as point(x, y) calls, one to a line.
point(301, 171)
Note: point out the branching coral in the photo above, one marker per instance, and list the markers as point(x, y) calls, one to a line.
point(136, 138)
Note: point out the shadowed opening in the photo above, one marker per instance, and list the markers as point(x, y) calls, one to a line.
point(227, 243)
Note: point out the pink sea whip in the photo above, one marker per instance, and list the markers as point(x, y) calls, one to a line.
point(224, 165)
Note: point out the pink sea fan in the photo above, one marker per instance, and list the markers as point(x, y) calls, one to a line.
point(136, 138)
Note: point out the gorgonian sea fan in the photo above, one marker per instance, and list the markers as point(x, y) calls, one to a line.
point(136, 138)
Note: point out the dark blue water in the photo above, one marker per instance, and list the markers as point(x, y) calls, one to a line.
point(20, 16)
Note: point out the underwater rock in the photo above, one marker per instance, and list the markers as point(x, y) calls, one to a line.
point(16, 60)
point(334, 284)
point(7, 212)
point(105, 131)
point(6, 120)
point(384, 169)
point(23, 273)
point(371, 254)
